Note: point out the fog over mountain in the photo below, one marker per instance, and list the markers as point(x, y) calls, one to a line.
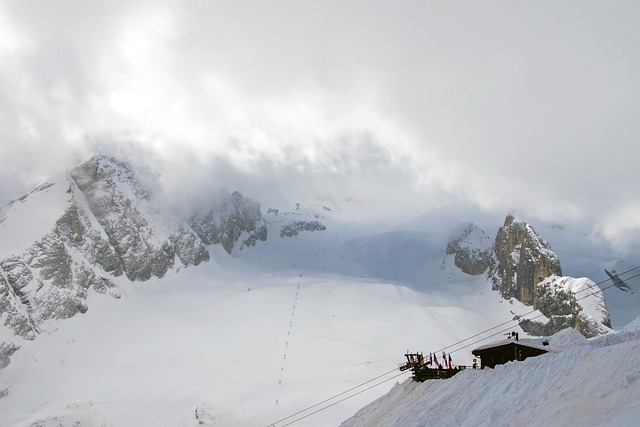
point(527, 107)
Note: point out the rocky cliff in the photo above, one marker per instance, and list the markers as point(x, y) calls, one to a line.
point(523, 259)
point(96, 222)
point(568, 302)
point(235, 217)
point(526, 268)
point(471, 249)
point(102, 226)
point(521, 265)
point(128, 237)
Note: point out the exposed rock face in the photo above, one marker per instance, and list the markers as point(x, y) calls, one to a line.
point(569, 303)
point(523, 260)
point(527, 269)
point(107, 227)
point(188, 246)
point(48, 281)
point(296, 227)
point(130, 242)
point(226, 222)
point(6, 351)
point(472, 250)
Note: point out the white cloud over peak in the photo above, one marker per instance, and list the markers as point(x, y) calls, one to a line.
point(528, 105)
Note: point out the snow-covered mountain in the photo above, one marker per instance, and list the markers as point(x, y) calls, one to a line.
point(222, 309)
point(82, 229)
point(472, 250)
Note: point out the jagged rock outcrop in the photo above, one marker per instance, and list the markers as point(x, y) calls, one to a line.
point(188, 247)
point(523, 259)
point(7, 349)
point(50, 280)
point(527, 269)
point(569, 303)
point(129, 243)
point(106, 227)
point(472, 249)
point(296, 227)
point(226, 222)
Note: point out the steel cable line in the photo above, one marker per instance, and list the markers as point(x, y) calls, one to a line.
point(340, 394)
point(560, 305)
point(342, 400)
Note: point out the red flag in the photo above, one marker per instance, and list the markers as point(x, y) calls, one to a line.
point(450, 365)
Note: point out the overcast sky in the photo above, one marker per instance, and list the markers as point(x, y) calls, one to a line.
point(527, 106)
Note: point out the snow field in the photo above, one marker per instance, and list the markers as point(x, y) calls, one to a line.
point(253, 338)
point(225, 340)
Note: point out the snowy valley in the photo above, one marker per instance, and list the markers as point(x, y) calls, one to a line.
point(116, 313)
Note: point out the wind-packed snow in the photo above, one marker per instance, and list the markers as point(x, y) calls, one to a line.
point(586, 383)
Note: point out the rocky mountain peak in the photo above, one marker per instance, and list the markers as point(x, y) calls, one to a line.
point(124, 225)
point(227, 221)
point(523, 259)
point(471, 248)
point(526, 268)
point(508, 220)
point(101, 223)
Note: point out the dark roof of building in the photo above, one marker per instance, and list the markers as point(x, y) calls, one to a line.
point(507, 343)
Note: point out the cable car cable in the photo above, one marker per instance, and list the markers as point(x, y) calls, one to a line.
point(452, 345)
point(339, 394)
point(340, 401)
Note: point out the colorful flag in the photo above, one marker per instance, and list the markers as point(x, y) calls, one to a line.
point(450, 362)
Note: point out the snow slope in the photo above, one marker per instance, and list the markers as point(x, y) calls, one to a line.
point(238, 343)
point(586, 383)
point(33, 215)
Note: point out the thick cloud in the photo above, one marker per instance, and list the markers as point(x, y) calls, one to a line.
point(509, 105)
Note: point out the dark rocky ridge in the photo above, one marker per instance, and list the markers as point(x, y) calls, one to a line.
point(296, 227)
point(130, 244)
point(523, 259)
point(521, 265)
point(110, 227)
point(472, 250)
point(564, 311)
point(108, 223)
point(526, 268)
point(225, 223)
